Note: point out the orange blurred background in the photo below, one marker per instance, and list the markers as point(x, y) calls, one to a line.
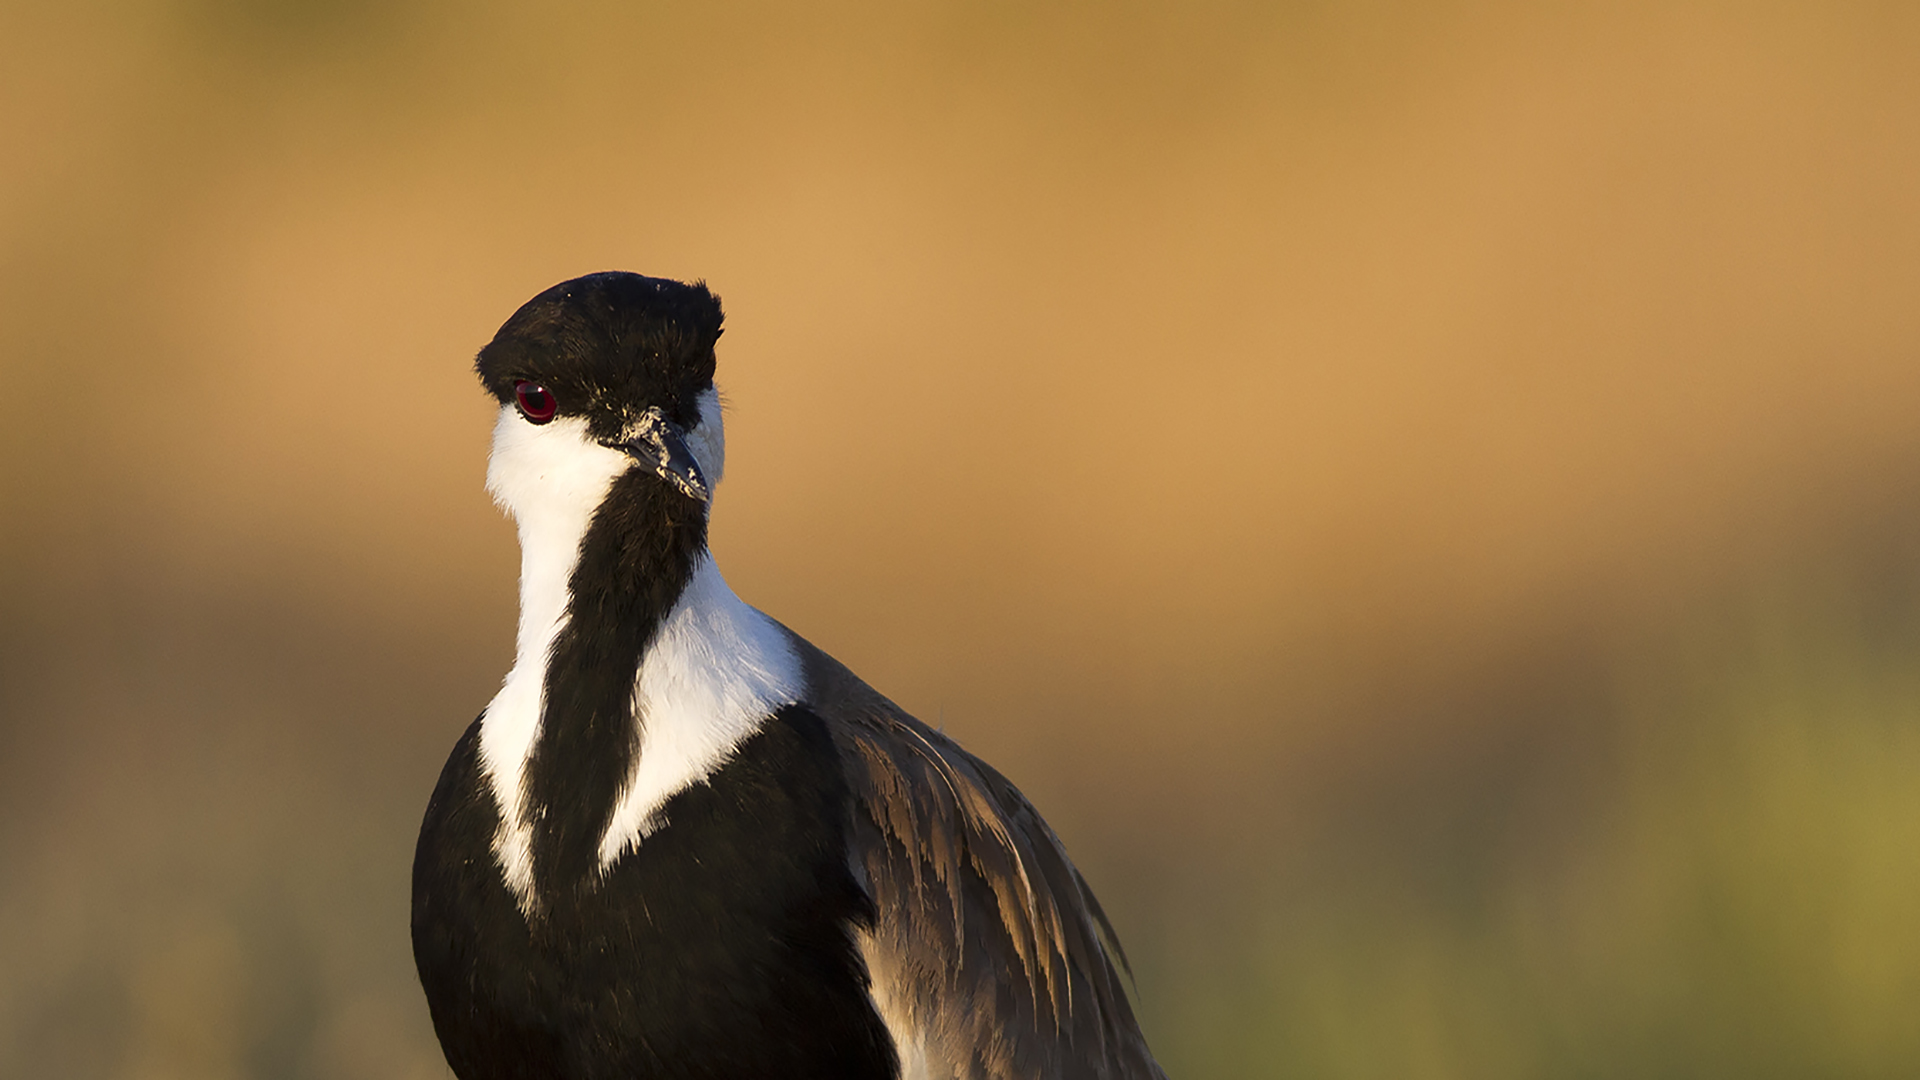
point(1423, 496)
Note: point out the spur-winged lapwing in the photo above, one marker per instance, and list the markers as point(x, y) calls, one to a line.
point(683, 842)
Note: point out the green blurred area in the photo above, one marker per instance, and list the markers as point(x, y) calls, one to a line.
point(1421, 495)
point(1723, 886)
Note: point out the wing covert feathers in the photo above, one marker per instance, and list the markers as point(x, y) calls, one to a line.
point(990, 957)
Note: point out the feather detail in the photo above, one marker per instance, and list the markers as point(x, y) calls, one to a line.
point(990, 957)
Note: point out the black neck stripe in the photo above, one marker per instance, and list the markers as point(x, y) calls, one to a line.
point(636, 559)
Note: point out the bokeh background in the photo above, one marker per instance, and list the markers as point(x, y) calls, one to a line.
point(1425, 496)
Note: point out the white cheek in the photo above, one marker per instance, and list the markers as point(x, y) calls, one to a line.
point(707, 442)
point(551, 470)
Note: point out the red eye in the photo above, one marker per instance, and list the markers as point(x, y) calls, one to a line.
point(536, 403)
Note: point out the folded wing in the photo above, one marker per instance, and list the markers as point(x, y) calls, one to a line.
point(990, 957)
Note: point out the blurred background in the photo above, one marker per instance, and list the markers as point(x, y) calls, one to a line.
point(1425, 496)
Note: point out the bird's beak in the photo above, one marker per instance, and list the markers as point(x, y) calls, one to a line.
point(658, 443)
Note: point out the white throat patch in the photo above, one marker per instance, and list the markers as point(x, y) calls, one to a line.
point(714, 671)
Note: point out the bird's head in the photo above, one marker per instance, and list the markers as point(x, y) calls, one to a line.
point(601, 377)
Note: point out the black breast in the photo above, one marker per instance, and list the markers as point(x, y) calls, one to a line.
point(721, 947)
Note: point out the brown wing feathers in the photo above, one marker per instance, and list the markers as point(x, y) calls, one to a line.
point(988, 942)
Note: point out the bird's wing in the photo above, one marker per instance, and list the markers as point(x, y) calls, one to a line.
point(990, 957)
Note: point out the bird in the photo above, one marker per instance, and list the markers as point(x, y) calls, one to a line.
point(683, 842)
